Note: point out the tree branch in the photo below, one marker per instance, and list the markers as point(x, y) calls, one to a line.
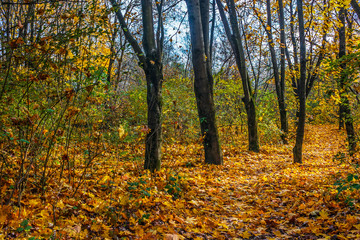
point(134, 44)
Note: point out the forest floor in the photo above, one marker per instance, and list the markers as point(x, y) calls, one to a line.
point(252, 196)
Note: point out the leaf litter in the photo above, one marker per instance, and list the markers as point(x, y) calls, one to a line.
point(252, 196)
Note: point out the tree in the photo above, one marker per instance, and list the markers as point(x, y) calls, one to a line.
point(344, 108)
point(301, 88)
point(198, 11)
point(304, 77)
point(234, 37)
point(150, 59)
point(279, 77)
point(356, 7)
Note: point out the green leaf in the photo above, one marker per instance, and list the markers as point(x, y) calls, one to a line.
point(25, 141)
point(24, 223)
point(145, 193)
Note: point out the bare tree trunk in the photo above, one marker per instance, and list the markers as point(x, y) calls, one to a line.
point(112, 55)
point(279, 77)
point(151, 62)
point(301, 88)
point(234, 37)
point(342, 52)
point(154, 137)
point(356, 7)
point(203, 83)
point(281, 99)
point(345, 111)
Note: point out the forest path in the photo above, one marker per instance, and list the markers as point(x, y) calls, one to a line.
point(264, 195)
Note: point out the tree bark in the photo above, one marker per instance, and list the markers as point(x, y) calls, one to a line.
point(151, 61)
point(301, 88)
point(153, 140)
point(345, 110)
point(278, 76)
point(234, 37)
point(203, 79)
point(356, 7)
point(342, 52)
point(282, 103)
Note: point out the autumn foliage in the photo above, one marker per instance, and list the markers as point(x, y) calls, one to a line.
point(74, 121)
point(252, 196)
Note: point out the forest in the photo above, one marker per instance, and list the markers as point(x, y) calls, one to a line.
point(171, 119)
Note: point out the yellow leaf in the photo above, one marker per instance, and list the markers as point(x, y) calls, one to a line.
point(121, 132)
point(245, 235)
point(268, 28)
point(95, 227)
point(191, 220)
point(351, 219)
point(2, 217)
point(105, 179)
point(34, 202)
point(60, 204)
point(302, 219)
point(357, 226)
point(324, 214)
point(277, 233)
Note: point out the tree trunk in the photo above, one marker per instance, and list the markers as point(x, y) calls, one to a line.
point(344, 110)
point(153, 140)
point(301, 88)
point(281, 99)
point(151, 61)
point(234, 37)
point(356, 7)
point(279, 77)
point(342, 52)
point(252, 124)
point(203, 82)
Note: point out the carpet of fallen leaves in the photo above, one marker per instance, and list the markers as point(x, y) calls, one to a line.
point(252, 196)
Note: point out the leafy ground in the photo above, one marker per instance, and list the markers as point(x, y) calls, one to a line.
point(252, 196)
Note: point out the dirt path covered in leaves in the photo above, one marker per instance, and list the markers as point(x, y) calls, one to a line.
point(252, 196)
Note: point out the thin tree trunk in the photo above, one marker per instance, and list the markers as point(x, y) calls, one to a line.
point(301, 88)
point(234, 37)
point(112, 55)
point(356, 7)
point(282, 103)
point(345, 111)
point(279, 77)
point(151, 62)
point(154, 137)
point(212, 31)
point(154, 79)
point(342, 52)
point(203, 80)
